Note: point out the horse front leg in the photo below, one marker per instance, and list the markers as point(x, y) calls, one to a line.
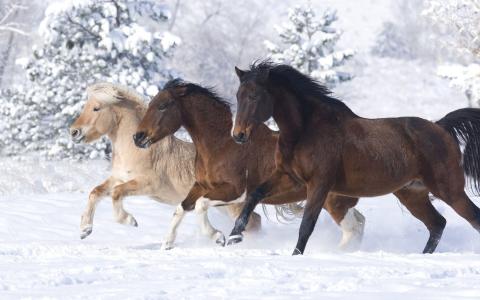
point(255, 221)
point(188, 204)
point(262, 191)
point(86, 222)
point(316, 196)
point(201, 208)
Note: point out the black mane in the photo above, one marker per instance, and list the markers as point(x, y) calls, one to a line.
point(192, 88)
point(303, 86)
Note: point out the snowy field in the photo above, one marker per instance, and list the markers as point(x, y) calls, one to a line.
point(42, 256)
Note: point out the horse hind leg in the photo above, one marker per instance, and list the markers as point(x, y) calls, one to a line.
point(416, 200)
point(350, 220)
point(450, 188)
point(463, 206)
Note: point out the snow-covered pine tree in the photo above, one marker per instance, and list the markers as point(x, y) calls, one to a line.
point(83, 42)
point(461, 19)
point(308, 44)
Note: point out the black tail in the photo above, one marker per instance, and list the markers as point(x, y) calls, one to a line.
point(464, 126)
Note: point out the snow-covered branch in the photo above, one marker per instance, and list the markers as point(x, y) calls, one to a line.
point(462, 17)
point(6, 22)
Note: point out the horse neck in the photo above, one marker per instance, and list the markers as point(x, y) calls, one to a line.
point(288, 115)
point(293, 115)
point(127, 119)
point(208, 123)
point(174, 159)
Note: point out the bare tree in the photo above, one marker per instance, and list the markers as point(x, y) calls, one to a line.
point(218, 34)
point(7, 19)
point(9, 26)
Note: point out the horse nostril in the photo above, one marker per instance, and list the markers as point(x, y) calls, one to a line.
point(240, 138)
point(139, 136)
point(75, 133)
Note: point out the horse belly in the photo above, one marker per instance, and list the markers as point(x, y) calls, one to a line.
point(375, 171)
point(368, 187)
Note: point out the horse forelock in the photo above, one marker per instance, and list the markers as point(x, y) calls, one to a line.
point(109, 94)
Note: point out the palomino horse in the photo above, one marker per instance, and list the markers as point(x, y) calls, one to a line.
point(163, 172)
point(332, 150)
point(223, 169)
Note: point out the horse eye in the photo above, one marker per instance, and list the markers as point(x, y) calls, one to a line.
point(163, 107)
point(96, 108)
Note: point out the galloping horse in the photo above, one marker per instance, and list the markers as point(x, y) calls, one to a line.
point(223, 169)
point(163, 172)
point(330, 149)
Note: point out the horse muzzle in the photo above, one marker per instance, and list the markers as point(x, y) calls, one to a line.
point(141, 140)
point(241, 133)
point(77, 135)
point(240, 138)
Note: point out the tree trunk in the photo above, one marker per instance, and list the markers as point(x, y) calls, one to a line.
point(174, 15)
point(5, 57)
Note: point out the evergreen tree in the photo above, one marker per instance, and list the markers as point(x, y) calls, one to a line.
point(308, 44)
point(83, 42)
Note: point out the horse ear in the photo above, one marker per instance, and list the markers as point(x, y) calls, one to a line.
point(239, 72)
point(182, 91)
point(179, 91)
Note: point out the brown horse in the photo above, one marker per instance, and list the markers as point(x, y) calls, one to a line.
point(324, 145)
point(223, 169)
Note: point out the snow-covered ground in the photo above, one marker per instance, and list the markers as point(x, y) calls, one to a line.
point(42, 256)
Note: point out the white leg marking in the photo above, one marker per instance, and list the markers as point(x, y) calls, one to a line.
point(86, 222)
point(352, 226)
point(233, 124)
point(201, 208)
point(172, 231)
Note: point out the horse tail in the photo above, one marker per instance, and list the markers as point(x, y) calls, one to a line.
point(464, 126)
point(286, 212)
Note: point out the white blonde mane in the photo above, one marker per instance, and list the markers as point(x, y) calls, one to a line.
point(110, 93)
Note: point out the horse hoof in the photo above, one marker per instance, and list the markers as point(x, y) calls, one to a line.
point(128, 220)
point(134, 222)
point(297, 252)
point(131, 221)
point(220, 239)
point(167, 246)
point(235, 239)
point(85, 232)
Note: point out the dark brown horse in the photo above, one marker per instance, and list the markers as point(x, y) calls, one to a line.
point(225, 170)
point(330, 149)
